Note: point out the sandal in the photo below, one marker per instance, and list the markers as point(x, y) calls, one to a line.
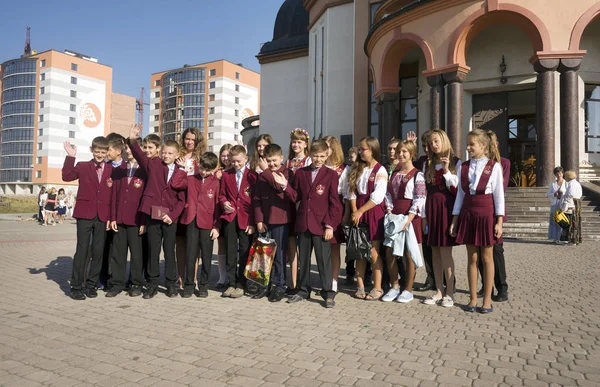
point(360, 293)
point(374, 295)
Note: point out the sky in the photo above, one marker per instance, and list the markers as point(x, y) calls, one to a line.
point(137, 38)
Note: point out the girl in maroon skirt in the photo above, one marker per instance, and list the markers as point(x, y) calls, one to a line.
point(335, 161)
point(406, 196)
point(478, 212)
point(367, 185)
point(442, 182)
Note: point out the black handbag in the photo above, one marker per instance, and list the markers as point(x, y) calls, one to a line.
point(358, 242)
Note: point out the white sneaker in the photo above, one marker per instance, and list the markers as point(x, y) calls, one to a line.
point(391, 295)
point(447, 302)
point(432, 300)
point(405, 297)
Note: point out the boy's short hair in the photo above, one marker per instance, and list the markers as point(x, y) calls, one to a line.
point(238, 150)
point(273, 150)
point(353, 151)
point(117, 143)
point(114, 136)
point(172, 144)
point(209, 161)
point(319, 146)
point(153, 139)
point(100, 143)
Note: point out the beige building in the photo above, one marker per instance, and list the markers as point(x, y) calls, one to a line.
point(214, 97)
point(47, 99)
point(527, 69)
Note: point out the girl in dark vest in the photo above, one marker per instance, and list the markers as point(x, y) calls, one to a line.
point(406, 195)
point(478, 212)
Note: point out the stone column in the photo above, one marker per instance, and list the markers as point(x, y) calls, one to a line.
point(436, 100)
point(569, 114)
point(388, 117)
point(545, 122)
point(455, 110)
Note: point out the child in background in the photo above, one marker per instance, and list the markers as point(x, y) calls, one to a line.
point(352, 155)
point(62, 205)
point(477, 214)
point(298, 157)
point(224, 164)
point(257, 160)
point(390, 166)
point(50, 206)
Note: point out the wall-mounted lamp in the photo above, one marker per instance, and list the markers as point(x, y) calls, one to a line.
point(503, 79)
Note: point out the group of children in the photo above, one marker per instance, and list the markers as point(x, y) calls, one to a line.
point(179, 195)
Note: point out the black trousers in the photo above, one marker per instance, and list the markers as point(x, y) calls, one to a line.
point(197, 238)
point(307, 241)
point(281, 234)
point(126, 238)
point(499, 268)
point(235, 238)
point(160, 233)
point(428, 258)
point(105, 270)
point(97, 230)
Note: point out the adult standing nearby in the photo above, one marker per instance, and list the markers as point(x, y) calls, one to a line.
point(555, 192)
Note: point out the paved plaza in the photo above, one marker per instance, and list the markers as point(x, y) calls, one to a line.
point(547, 334)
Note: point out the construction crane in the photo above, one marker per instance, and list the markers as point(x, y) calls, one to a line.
point(139, 106)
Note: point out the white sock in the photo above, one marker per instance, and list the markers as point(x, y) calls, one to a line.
point(334, 285)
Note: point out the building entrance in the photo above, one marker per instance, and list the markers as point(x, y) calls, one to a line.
point(511, 115)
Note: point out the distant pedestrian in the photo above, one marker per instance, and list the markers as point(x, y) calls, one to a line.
point(70, 200)
point(41, 199)
point(62, 205)
point(555, 192)
point(50, 207)
point(570, 203)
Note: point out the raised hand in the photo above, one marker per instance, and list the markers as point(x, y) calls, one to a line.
point(180, 162)
point(280, 179)
point(411, 136)
point(70, 149)
point(134, 132)
point(262, 163)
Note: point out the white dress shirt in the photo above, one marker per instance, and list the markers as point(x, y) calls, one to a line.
point(171, 171)
point(494, 186)
point(378, 194)
point(552, 190)
point(573, 191)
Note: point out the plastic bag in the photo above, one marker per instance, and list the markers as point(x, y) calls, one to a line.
point(358, 242)
point(561, 219)
point(260, 260)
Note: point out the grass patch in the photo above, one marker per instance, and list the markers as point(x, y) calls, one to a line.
point(19, 205)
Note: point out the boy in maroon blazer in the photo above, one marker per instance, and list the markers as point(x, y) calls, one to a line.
point(319, 213)
point(162, 202)
point(274, 202)
point(235, 199)
point(128, 225)
point(92, 213)
point(202, 216)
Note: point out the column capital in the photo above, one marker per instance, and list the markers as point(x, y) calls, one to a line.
point(543, 65)
point(435, 80)
point(454, 77)
point(387, 97)
point(569, 64)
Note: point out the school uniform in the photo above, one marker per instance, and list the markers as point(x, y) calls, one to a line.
point(129, 184)
point(236, 188)
point(441, 195)
point(92, 212)
point(372, 185)
point(319, 208)
point(406, 195)
point(202, 213)
point(480, 198)
point(342, 171)
point(165, 187)
point(274, 206)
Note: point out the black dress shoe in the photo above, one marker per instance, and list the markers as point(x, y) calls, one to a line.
point(202, 291)
point(425, 287)
point(329, 303)
point(295, 298)
point(276, 295)
point(135, 291)
point(77, 294)
point(91, 292)
point(262, 293)
point(290, 291)
point(112, 293)
point(150, 292)
point(172, 291)
point(187, 293)
point(500, 297)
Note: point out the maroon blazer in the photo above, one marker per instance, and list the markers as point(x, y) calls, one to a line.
point(242, 200)
point(202, 202)
point(158, 192)
point(271, 204)
point(127, 195)
point(320, 203)
point(93, 197)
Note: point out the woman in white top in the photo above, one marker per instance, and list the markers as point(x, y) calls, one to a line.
point(555, 192)
point(406, 195)
point(367, 186)
point(570, 203)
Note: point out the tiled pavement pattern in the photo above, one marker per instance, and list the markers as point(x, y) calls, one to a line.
point(548, 334)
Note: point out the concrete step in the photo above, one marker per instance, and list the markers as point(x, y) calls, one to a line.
point(520, 207)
